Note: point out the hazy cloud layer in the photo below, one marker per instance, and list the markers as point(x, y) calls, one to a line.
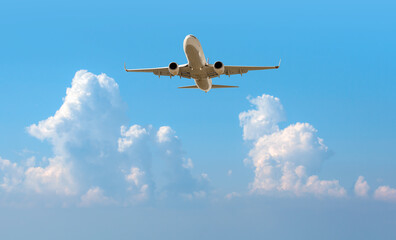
point(284, 160)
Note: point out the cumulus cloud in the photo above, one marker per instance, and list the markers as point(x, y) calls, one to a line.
point(56, 178)
point(284, 160)
point(361, 187)
point(94, 152)
point(95, 196)
point(83, 133)
point(323, 187)
point(93, 101)
point(385, 193)
point(129, 136)
point(11, 175)
point(262, 120)
point(180, 180)
point(177, 178)
point(165, 134)
point(139, 185)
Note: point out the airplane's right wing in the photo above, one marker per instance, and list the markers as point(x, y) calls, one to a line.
point(163, 71)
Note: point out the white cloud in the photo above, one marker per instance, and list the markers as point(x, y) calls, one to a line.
point(180, 180)
point(83, 133)
point(129, 136)
point(323, 187)
point(165, 134)
point(95, 196)
point(11, 175)
point(177, 178)
point(139, 185)
point(135, 176)
point(361, 187)
point(135, 144)
point(94, 152)
point(55, 178)
point(385, 193)
point(91, 102)
point(262, 120)
point(284, 159)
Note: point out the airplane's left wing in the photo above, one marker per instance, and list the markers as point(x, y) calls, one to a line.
point(163, 71)
point(231, 70)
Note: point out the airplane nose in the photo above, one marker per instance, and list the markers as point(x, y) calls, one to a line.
point(188, 39)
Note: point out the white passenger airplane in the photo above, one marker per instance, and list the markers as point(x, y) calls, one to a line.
point(198, 68)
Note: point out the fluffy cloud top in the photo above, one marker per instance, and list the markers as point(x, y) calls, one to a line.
point(165, 134)
point(284, 159)
point(262, 120)
point(129, 136)
point(95, 196)
point(361, 187)
point(83, 134)
point(385, 193)
point(93, 101)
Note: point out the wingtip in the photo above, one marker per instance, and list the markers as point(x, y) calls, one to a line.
point(279, 62)
point(125, 67)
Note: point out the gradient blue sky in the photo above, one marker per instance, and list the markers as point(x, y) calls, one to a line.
point(337, 74)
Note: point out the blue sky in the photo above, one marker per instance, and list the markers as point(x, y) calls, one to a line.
point(336, 76)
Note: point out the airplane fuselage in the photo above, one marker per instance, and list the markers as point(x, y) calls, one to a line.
point(197, 61)
point(198, 68)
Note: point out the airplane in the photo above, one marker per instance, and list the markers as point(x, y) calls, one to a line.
point(198, 68)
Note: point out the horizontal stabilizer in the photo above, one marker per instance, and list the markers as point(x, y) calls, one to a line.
point(213, 86)
point(223, 86)
point(194, 86)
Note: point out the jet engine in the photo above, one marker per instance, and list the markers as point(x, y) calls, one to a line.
point(218, 67)
point(173, 68)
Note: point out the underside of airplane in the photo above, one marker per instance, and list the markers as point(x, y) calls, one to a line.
point(198, 67)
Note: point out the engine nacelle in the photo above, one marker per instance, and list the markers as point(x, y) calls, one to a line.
point(173, 68)
point(218, 67)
